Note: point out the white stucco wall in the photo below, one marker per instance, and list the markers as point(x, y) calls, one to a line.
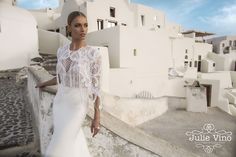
point(129, 82)
point(46, 37)
point(152, 50)
point(233, 78)
point(18, 37)
point(107, 38)
point(223, 76)
point(219, 41)
point(223, 63)
point(152, 17)
point(100, 9)
point(180, 47)
point(45, 19)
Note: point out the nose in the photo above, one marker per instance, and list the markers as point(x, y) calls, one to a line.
point(83, 29)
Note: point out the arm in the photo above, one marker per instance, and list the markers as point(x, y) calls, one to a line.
point(51, 82)
point(96, 90)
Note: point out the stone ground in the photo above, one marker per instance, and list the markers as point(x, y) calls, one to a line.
point(17, 134)
point(172, 126)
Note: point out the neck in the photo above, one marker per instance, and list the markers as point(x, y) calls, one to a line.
point(76, 44)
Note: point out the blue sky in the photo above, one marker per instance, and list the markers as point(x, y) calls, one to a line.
point(217, 16)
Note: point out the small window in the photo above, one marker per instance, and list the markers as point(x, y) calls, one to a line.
point(190, 64)
point(123, 24)
point(230, 42)
point(234, 42)
point(199, 57)
point(223, 45)
point(186, 57)
point(142, 20)
point(111, 24)
point(195, 63)
point(185, 63)
point(100, 24)
point(158, 26)
point(135, 52)
point(214, 64)
point(186, 50)
point(112, 12)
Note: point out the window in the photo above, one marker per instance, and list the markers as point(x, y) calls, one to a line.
point(234, 42)
point(186, 50)
point(199, 57)
point(123, 24)
point(111, 24)
point(186, 57)
point(195, 63)
point(214, 64)
point(190, 64)
point(158, 26)
point(223, 45)
point(185, 63)
point(230, 42)
point(135, 52)
point(100, 24)
point(142, 20)
point(112, 12)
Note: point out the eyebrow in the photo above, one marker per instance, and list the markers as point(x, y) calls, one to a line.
point(81, 23)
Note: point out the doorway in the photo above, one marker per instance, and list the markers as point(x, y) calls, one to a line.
point(208, 93)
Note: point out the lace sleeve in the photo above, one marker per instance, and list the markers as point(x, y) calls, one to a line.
point(96, 69)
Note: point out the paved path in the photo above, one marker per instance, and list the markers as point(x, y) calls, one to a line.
point(17, 135)
point(173, 125)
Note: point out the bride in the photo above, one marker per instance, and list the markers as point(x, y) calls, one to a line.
point(78, 77)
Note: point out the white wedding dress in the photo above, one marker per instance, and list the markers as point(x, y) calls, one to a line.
point(78, 78)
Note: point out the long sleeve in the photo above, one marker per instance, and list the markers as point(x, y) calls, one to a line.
point(96, 69)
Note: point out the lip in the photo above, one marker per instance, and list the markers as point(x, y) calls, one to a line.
point(82, 34)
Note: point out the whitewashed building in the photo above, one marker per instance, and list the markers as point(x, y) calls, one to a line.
point(225, 47)
point(18, 36)
point(223, 44)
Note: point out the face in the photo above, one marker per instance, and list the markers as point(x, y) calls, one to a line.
point(78, 28)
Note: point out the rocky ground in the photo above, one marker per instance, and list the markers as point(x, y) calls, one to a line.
point(18, 136)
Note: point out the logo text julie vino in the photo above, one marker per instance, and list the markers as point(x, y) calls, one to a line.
point(210, 138)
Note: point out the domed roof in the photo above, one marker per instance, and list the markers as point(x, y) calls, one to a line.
point(11, 12)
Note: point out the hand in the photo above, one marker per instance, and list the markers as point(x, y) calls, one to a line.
point(40, 85)
point(95, 127)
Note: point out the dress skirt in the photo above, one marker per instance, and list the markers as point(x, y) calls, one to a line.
point(70, 107)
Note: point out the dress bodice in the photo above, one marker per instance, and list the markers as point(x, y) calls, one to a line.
point(79, 69)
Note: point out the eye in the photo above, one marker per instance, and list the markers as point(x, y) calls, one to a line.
point(77, 25)
point(85, 25)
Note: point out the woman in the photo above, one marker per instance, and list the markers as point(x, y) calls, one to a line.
point(78, 78)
